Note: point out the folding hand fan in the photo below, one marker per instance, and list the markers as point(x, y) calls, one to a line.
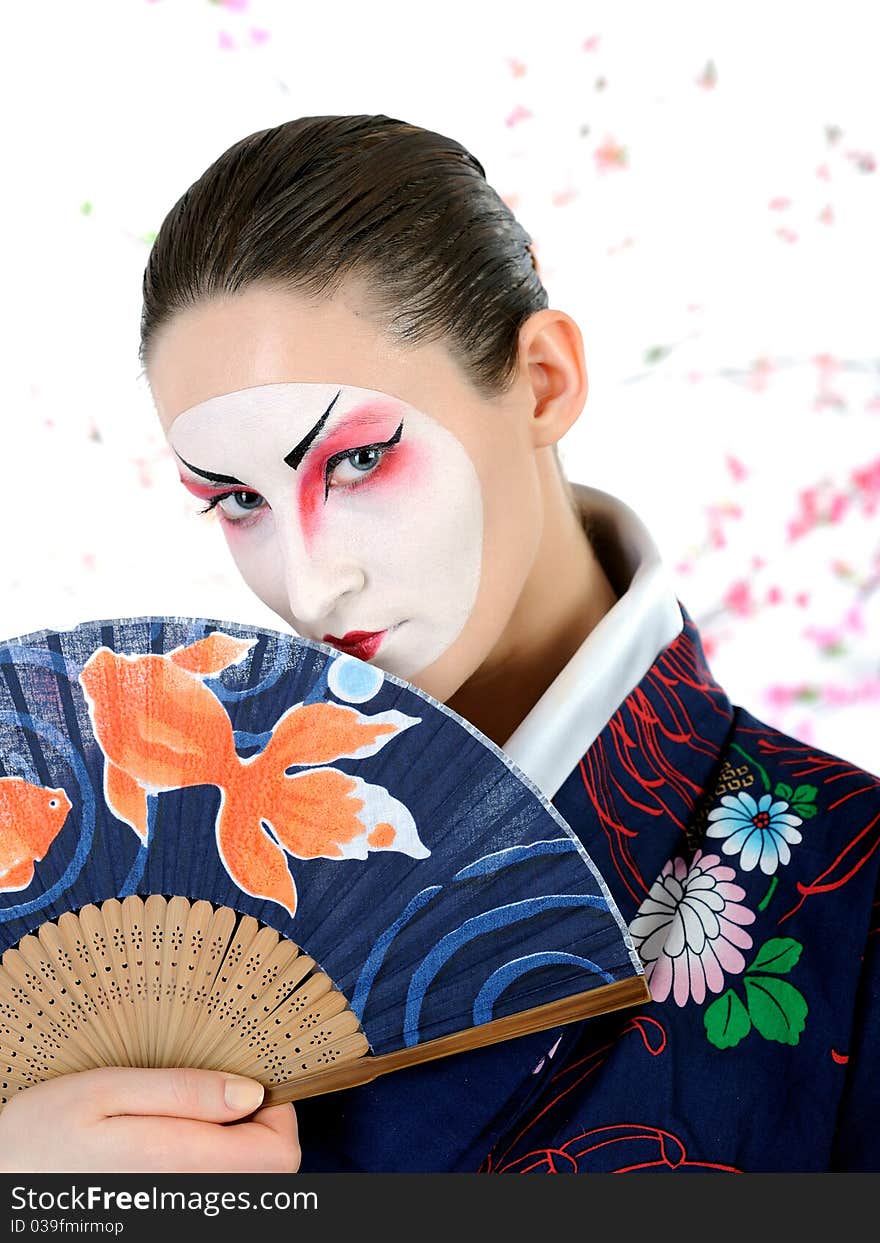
point(227, 847)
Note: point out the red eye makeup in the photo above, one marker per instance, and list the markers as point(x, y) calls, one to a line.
point(374, 513)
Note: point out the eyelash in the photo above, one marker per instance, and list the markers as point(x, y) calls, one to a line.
point(333, 462)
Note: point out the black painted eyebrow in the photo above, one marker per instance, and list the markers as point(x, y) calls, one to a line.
point(212, 475)
point(298, 452)
point(293, 458)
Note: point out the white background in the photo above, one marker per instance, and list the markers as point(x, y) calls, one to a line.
point(733, 242)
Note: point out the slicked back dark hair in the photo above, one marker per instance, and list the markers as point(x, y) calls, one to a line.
point(405, 210)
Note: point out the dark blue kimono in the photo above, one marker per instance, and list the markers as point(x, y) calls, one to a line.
point(746, 865)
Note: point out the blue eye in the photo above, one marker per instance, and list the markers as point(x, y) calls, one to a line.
point(373, 453)
point(362, 461)
point(234, 496)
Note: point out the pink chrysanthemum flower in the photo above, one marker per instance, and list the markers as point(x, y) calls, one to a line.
point(689, 930)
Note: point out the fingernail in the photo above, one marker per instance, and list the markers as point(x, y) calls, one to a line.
point(242, 1094)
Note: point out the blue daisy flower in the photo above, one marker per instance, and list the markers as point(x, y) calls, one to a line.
point(760, 833)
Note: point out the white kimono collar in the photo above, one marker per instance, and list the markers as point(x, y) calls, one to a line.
point(615, 655)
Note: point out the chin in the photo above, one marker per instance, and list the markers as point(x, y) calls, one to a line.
point(440, 680)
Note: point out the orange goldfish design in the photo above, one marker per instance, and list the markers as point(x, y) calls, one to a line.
point(30, 819)
point(161, 728)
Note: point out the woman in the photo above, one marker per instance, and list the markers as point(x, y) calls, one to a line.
point(355, 364)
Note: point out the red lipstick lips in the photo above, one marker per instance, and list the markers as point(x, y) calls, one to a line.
point(364, 644)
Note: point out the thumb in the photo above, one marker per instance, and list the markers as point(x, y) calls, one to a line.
point(179, 1091)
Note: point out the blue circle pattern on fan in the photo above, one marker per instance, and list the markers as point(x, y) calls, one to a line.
point(346, 808)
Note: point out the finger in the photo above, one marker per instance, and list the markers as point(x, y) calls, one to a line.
point(180, 1092)
point(188, 1146)
point(281, 1119)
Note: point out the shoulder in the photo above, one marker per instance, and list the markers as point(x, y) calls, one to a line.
point(794, 811)
point(805, 773)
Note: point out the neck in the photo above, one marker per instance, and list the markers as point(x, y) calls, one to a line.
point(565, 596)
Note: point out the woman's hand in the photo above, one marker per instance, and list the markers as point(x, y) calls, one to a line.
point(134, 1120)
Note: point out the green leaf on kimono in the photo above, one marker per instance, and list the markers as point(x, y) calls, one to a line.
point(726, 1020)
point(776, 956)
point(783, 791)
point(806, 811)
point(805, 794)
point(777, 1009)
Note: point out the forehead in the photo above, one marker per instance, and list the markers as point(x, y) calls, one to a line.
point(283, 407)
point(230, 343)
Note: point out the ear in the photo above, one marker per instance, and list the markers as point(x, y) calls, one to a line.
point(551, 354)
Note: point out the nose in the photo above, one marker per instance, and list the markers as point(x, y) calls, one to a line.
point(315, 580)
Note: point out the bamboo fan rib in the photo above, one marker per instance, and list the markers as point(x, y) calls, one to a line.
point(158, 982)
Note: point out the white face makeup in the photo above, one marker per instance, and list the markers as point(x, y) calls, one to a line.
point(346, 510)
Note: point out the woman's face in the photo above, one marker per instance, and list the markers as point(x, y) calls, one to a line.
point(361, 486)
